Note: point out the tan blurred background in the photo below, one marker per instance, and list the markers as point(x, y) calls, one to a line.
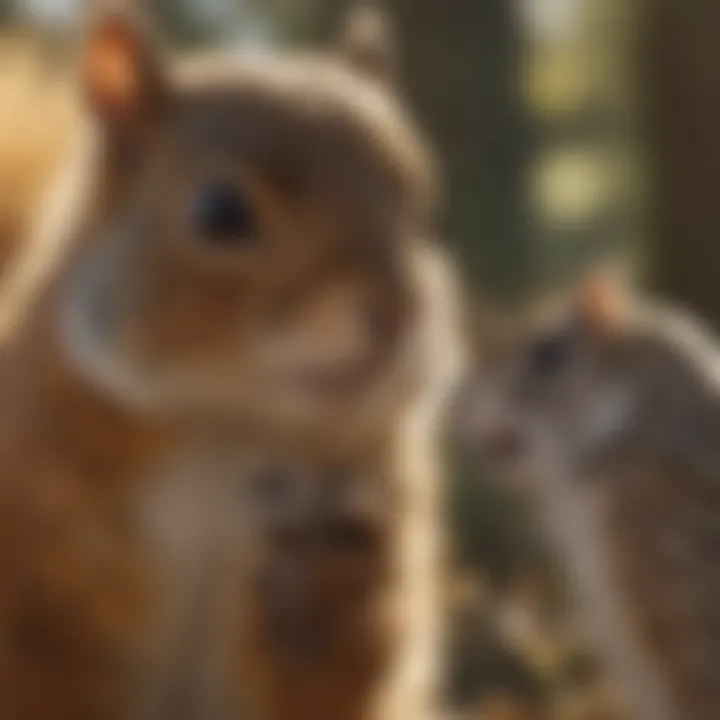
point(569, 130)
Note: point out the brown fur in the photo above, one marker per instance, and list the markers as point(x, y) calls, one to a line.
point(39, 118)
point(322, 619)
point(118, 513)
point(629, 492)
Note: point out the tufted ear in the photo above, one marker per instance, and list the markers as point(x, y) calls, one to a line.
point(368, 42)
point(601, 299)
point(122, 76)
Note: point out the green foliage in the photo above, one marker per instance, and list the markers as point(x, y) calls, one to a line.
point(481, 664)
point(291, 20)
point(8, 10)
point(184, 23)
point(493, 530)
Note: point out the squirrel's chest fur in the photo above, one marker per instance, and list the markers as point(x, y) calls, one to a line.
point(190, 520)
point(113, 584)
point(246, 622)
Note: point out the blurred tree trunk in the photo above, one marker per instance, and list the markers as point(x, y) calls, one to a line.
point(461, 73)
point(681, 82)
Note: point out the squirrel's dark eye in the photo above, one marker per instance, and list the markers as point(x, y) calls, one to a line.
point(548, 355)
point(222, 215)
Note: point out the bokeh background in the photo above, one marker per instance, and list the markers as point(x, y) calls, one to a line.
point(569, 130)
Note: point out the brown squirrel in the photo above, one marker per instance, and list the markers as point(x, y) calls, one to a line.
point(609, 407)
point(239, 249)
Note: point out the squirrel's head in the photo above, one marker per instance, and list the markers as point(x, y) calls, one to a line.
point(556, 389)
point(255, 252)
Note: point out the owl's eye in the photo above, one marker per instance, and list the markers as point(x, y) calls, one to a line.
point(223, 216)
point(549, 355)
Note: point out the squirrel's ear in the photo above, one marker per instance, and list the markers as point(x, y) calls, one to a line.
point(601, 300)
point(121, 72)
point(368, 41)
